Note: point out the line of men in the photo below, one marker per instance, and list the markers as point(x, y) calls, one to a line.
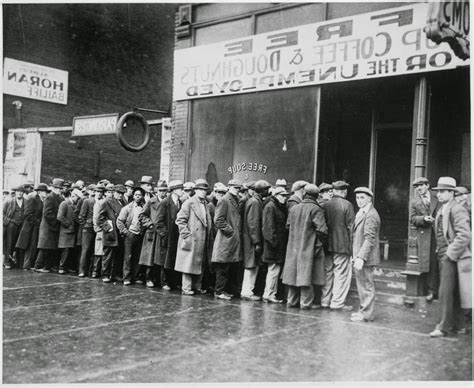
point(181, 238)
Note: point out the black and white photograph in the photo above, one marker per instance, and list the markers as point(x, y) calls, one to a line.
point(236, 192)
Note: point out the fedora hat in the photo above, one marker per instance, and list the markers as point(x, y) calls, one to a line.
point(187, 186)
point(281, 183)
point(99, 187)
point(234, 183)
point(109, 187)
point(364, 190)
point(42, 187)
point(220, 187)
point(446, 183)
point(201, 184)
point(175, 184)
point(279, 191)
point(58, 183)
point(146, 179)
point(461, 190)
point(129, 183)
point(120, 189)
point(19, 188)
point(162, 185)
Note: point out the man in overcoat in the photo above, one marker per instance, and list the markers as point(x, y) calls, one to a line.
point(453, 237)
point(304, 262)
point(365, 253)
point(28, 238)
point(463, 197)
point(13, 216)
point(88, 234)
point(146, 183)
point(298, 193)
point(49, 228)
point(275, 237)
point(98, 242)
point(252, 239)
point(326, 192)
point(195, 235)
point(423, 210)
point(339, 218)
point(169, 233)
point(227, 245)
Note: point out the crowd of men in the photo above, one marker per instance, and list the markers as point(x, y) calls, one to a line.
point(253, 240)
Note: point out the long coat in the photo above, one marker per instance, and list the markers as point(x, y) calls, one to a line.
point(67, 228)
point(9, 208)
point(30, 229)
point(274, 231)
point(365, 237)
point(86, 213)
point(99, 237)
point(77, 211)
point(227, 245)
point(252, 231)
point(425, 233)
point(195, 234)
point(292, 201)
point(151, 247)
point(168, 231)
point(107, 220)
point(49, 226)
point(339, 218)
point(304, 262)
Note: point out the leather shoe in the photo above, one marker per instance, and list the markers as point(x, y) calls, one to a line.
point(166, 288)
point(222, 296)
point(127, 282)
point(342, 308)
point(273, 300)
point(358, 317)
point(437, 333)
point(187, 292)
point(253, 298)
point(106, 280)
point(81, 275)
point(429, 297)
point(150, 284)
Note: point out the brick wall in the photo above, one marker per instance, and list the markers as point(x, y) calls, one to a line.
point(119, 56)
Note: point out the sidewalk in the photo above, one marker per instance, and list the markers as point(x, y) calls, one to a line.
point(65, 329)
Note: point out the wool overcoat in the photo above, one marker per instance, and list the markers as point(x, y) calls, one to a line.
point(67, 228)
point(30, 229)
point(227, 245)
point(274, 231)
point(340, 218)
point(168, 231)
point(152, 252)
point(109, 210)
point(195, 235)
point(304, 262)
point(252, 231)
point(49, 226)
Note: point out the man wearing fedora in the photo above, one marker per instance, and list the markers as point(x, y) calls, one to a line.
point(340, 218)
point(48, 237)
point(13, 215)
point(146, 183)
point(169, 233)
point(304, 261)
point(423, 211)
point(365, 253)
point(129, 185)
point(161, 190)
point(195, 236)
point(88, 234)
point(28, 238)
point(463, 197)
point(226, 253)
point(453, 240)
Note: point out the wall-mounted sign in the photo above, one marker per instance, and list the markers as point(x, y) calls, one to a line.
point(371, 45)
point(95, 125)
point(247, 166)
point(29, 80)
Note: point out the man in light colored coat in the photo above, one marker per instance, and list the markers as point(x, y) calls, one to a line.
point(298, 193)
point(195, 229)
point(453, 237)
point(365, 253)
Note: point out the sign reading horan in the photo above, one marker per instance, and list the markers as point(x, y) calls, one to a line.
point(28, 80)
point(377, 44)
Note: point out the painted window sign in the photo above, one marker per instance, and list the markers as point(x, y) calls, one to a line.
point(377, 44)
point(33, 81)
point(247, 166)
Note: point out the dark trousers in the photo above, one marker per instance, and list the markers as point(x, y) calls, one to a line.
point(432, 277)
point(32, 251)
point(10, 235)
point(46, 258)
point(451, 314)
point(170, 277)
point(236, 276)
point(87, 251)
point(226, 280)
point(66, 257)
point(132, 249)
point(108, 261)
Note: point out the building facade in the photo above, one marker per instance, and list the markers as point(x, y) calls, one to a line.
point(322, 92)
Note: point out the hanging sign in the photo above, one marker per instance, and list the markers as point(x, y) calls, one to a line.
point(378, 44)
point(29, 80)
point(95, 125)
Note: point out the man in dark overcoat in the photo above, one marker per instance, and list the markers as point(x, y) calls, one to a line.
point(169, 233)
point(49, 228)
point(365, 253)
point(13, 216)
point(88, 234)
point(68, 221)
point(275, 237)
point(423, 211)
point(107, 221)
point(252, 239)
point(227, 245)
point(298, 193)
point(304, 262)
point(28, 238)
point(339, 218)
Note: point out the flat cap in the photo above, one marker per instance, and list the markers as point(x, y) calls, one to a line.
point(325, 187)
point(109, 187)
point(279, 190)
point(91, 187)
point(201, 184)
point(250, 185)
point(420, 181)
point(234, 183)
point(129, 183)
point(311, 189)
point(120, 189)
point(219, 186)
point(364, 190)
point(461, 190)
point(175, 184)
point(298, 185)
point(189, 186)
point(340, 185)
point(262, 184)
point(99, 187)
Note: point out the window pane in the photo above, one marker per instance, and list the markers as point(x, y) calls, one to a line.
point(223, 31)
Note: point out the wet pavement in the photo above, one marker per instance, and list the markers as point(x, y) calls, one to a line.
point(65, 329)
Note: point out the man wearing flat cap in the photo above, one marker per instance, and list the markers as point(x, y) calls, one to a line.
point(146, 183)
point(13, 216)
point(326, 193)
point(298, 194)
point(304, 261)
point(453, 240)
point(423, 210)
point(340, 218)
point(365, 253)
point(48, 237)
point(463, 197)
point(28, 238)
point(129, 185)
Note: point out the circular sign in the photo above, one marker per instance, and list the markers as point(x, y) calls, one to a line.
point(133, 132)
